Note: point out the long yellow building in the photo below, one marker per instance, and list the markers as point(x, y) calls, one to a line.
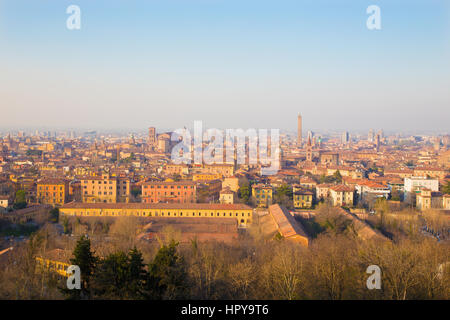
point(241, 212)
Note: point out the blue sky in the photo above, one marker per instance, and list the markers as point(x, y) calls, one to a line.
point(229, 63)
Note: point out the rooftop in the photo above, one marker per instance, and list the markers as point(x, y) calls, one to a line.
point(139, 205)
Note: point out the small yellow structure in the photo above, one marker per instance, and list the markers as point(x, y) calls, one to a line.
point(303, 198)
point(262, 195)
point(54, 261)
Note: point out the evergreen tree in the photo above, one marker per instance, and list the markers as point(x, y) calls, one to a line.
point(111, 277)
point(137, 273)
point(20, 201)
point(85, 259)
point(54, 215)
point(167, 274)
point(120, 276)
point(244, 193)
point(283, 196)
point(337, 175)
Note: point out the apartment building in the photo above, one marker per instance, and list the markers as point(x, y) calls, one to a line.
point(227, 196)
point(169, 192)
point(342, 195)
point(432, 172)
point(427, 199)
point(415, 184)
point(105, 189)
point(303, 198)
point(368, 189)
point(262, 195)
point(52, 191)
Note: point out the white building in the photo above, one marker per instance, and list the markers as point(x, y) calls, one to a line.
point(415, 184)
point(4, 201)
point(372, 189)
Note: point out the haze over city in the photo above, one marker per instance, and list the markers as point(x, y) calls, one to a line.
point(227, 63)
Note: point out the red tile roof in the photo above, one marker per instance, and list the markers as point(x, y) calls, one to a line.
point(139, 205)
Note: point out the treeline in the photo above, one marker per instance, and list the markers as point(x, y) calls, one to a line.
point(332, 267)
point(123, 275)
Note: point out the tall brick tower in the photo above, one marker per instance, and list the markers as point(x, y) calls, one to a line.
point(151, 137)
point(299, 130)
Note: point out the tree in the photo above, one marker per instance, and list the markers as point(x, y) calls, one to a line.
point(395, 195)
point(284, 190)
point(409, 163)
point(87, 261)
point(244, 192)
point(332, 221)
point(54, 215)
point(337, 175)
point(176, 177)
point(381, 207)
point(281, 274)
point(31, 152)
point(120, 276)
point(446, 188)
point(136, 191)
point(283, 196)
point(110, 278)
point(327, 179)
point(242, 276)
point(20, 202)
point(167, 274)
point(66, 225)
point(136, 274)
point(125, 229)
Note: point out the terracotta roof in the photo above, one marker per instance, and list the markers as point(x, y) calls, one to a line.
point(429, 169)
point(169, 183)
point(324, 185)
point(342, 188)
point(307, 180)
point(226, 190)
point(372, 184)
point(399, 170)
point(58, 255)
point(139, 205)
point(303, 192)
point(261, 186)
point(52, 181)
point(285, 221)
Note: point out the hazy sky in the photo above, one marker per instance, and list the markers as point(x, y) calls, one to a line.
point(230, 63)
